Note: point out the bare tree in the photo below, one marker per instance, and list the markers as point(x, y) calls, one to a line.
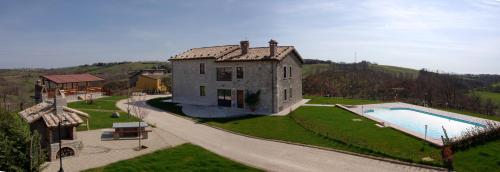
point(139, 110)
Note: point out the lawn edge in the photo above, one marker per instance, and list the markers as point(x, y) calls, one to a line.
point(306, 145)
point(196, 121)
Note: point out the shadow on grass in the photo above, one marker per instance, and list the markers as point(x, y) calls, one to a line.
point(162, 104)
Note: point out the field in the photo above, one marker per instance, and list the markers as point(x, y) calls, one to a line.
point(186, 157)
point(100, 112)
point(338, 100)
point(495, 97)
point(309, 69)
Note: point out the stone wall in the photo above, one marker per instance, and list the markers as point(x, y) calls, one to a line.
point(187, 81)
point(266, 76)
point(293, 82)
point(75, 145)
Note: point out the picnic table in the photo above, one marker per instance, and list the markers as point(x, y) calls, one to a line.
point(130, 130)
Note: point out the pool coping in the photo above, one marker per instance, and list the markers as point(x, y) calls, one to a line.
point(359, 109)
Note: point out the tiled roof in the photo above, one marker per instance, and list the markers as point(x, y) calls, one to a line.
point(46, 111)
point(72, 78)
point(233, 53)
point(206, 52)
point(257, 53)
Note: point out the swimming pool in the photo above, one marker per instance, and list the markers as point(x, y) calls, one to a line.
point(415, 121)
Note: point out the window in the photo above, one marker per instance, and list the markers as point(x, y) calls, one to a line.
point(224, 97)
point(291, 92)
point(284, 72)
point(224, 73)
point(202, 68)
point(290, 70)
point(202, 91)
point(239, 72)
point(284, 95)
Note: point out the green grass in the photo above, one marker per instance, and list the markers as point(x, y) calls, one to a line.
point(495, 97)
point(100, 112)
point(186, 157)
point(395, 70)
point(337, 124)
point(480, 158)
point(338, 100)
point(496, 118)
point(336, 130)
point(310, 69)
point(333, 128)
point(106, 103)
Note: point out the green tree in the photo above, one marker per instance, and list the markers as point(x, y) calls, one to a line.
point(20, 149)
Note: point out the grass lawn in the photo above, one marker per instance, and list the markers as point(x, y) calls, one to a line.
point(186, 157)
point(496, 118)
point(105, 103)
point(495, 97)
point(338, 100)
point(481, 158)
point(100, 112)
point(338, 124)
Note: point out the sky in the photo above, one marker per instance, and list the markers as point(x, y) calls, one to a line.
point(455, 36)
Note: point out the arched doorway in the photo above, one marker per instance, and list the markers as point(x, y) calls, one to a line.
point(65, 152)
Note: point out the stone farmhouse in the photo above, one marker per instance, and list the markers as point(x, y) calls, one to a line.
point(225, 75)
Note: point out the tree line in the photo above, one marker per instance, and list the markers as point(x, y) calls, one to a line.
point(441, 90)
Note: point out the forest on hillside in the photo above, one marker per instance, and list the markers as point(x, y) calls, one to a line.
point(361, 80)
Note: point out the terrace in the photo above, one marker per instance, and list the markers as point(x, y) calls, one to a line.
point(73, 85)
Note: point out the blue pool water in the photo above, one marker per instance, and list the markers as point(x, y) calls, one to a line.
point(415, 120)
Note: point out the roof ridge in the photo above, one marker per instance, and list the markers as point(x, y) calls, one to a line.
point(278, 46)
point(214, 46)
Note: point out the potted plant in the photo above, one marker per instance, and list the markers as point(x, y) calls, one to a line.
point(252, 99)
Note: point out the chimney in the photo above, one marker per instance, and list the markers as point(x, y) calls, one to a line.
point(273, 48)
point(244, 45)
point(59, 102)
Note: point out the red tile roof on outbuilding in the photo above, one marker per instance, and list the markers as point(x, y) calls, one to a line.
point(60, 79)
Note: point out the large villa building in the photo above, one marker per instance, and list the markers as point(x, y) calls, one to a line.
point(224, 75)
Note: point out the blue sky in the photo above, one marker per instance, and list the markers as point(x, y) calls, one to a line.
point(460, 36)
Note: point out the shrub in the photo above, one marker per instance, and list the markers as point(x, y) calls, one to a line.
point(476, 136)
point(17, 144)
point(252, 99)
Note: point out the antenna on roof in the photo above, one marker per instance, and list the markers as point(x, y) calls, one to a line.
point(355, 57)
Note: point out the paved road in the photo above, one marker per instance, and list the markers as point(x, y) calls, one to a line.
point(268, 155)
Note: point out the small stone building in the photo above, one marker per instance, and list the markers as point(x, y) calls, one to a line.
point(45, 118)
point(224, 75)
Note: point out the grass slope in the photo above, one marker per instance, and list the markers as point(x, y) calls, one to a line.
point(309, 69)
point(338, 124)
point(495, 97)
point(338, 100)
point(480, 158)
point(395, 70)
point(100, 112)
point(186, 157)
